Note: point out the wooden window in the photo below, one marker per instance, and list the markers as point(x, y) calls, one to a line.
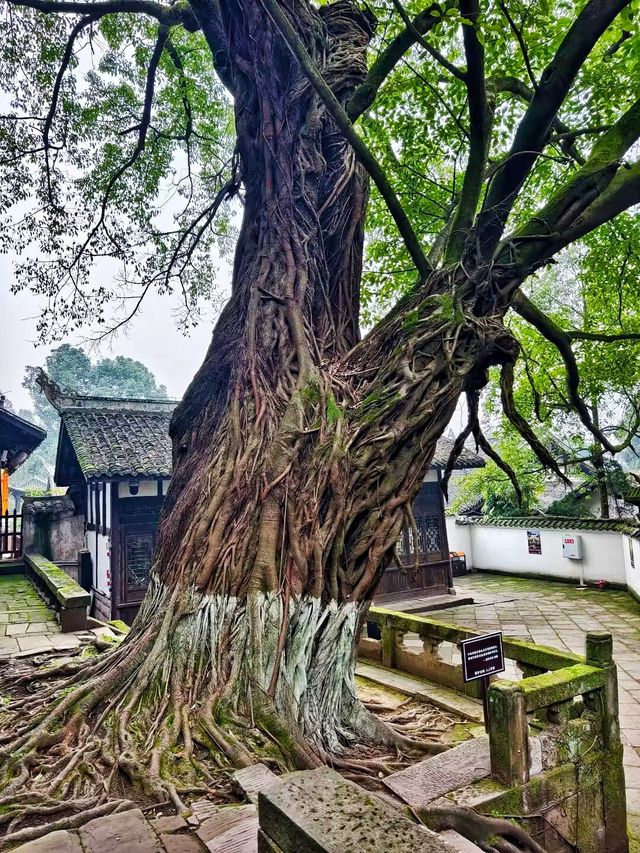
point(138, 553)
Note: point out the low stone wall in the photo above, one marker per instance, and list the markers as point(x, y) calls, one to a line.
point(63, 592)
point(569, 701)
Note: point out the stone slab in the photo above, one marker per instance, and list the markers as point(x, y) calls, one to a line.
point(226, 819)
point(55, 842)
point(239, 839)
point(202, 809)
point(421, 783)
point(254, 779)
point(441, 697)
point(124, 832)
point(459, 842)
point(169, 823)
point(317, 811)
point(181, 844)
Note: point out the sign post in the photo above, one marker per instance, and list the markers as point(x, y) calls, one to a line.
point(481, 658)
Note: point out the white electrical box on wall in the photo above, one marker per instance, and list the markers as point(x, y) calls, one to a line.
point(572, 547)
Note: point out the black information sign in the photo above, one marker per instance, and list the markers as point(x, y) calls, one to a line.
point(482, 656)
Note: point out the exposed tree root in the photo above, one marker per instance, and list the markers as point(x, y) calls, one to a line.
point(140, 723)
point(103, 733)
point(491, 834)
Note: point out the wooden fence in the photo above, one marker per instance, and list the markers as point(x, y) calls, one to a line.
point(10, 535)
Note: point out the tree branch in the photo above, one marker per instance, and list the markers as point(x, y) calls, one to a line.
point(340, 117)
point(556, 336)
point(180, 13)
point(594, 195)
point(601, 337)
point(521, 90)
point(423, 23)
point(520, 39)
point(521, 425)
point(53, 106)
point(533, 131)
point(479, 123)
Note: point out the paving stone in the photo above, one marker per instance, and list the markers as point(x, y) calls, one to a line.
point(17, 629)
point(202, 809)
point(240, 839)
point(8, 645)
point(254, 779)
point(169, 823)
point(33, 643)
point(181, 844)
point(37, 628)
point(124, 832)
point(421, 783)
point(225, 819)
point(64, 641)
point(55, 842)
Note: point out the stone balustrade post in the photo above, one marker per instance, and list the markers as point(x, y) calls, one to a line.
point(599, 652)
point(508, 733)
point(388, 644)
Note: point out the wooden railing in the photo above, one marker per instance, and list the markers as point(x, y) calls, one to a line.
point(10, 535)
point(556, 688)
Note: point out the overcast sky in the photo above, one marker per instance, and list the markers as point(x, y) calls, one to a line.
point(153, 338)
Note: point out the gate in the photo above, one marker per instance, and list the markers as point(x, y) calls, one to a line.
point(10, 535)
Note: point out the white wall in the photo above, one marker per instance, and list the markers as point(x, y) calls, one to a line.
point(632, 566)
point(459, 537)
point(100, 549)
point(505, 549)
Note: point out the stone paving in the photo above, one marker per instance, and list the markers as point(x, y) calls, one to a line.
point(559, 615)
point(24, 616)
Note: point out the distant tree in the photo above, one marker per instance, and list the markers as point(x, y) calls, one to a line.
point(72, 368)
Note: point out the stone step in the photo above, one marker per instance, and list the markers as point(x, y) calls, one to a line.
point(421, 688)
point(254, 779)
point(422, 783)
point(231, 828)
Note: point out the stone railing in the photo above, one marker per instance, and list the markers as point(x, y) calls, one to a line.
point(559, 691)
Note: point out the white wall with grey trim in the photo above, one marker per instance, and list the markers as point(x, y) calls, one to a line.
point(505, 549)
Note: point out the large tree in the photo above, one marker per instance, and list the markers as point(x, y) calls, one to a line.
point(494, 135)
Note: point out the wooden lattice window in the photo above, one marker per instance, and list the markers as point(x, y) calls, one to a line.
point(138, 556)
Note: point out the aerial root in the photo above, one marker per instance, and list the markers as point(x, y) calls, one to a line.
point(493, 835)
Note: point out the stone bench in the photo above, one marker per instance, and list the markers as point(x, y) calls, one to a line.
point(68, 597)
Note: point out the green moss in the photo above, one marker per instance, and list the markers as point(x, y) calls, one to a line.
point(334, 412)
point(119, 625)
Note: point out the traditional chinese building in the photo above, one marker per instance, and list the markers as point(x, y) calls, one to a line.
point(18, 438)
point(115, 457)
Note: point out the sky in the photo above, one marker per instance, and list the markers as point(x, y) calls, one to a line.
point(153, 338)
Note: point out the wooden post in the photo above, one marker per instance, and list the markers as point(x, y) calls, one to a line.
point(599, 652)
point(508, 734)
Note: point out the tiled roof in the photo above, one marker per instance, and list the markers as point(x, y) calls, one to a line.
point(556, 522)
point(18, 437)
point(632, 495)
point(121, 438)
point(467, 459)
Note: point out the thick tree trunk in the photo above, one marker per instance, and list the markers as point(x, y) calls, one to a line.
point(298, 450)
